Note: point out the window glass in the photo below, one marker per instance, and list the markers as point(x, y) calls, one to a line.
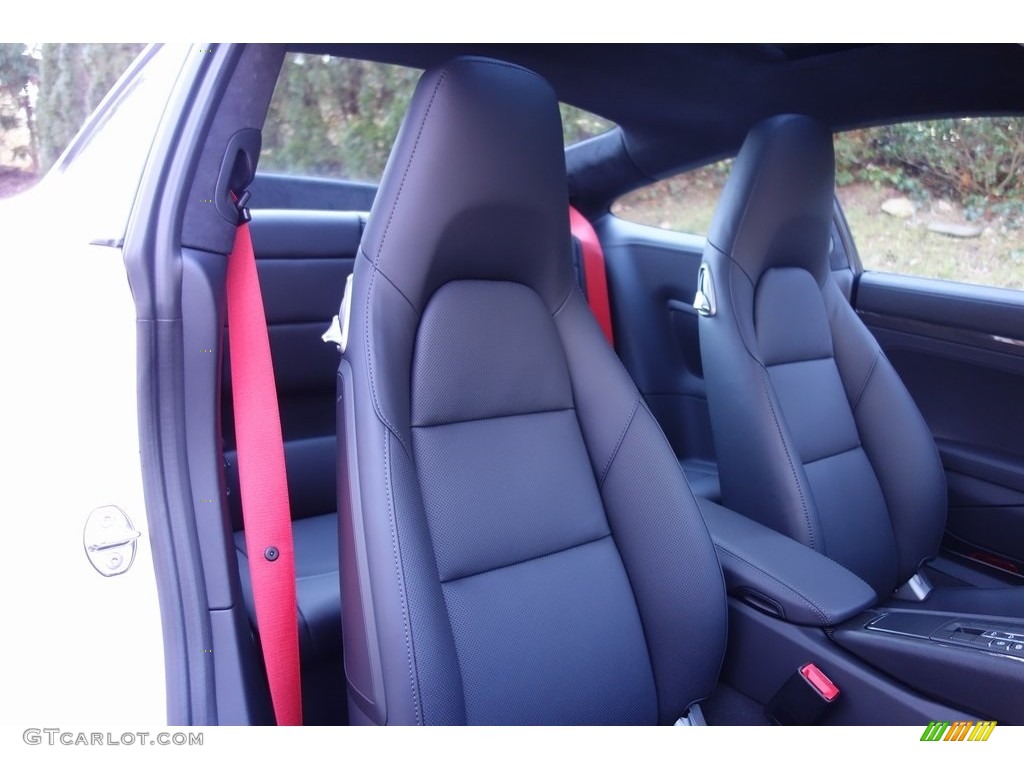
point(335, 117)
point(578, 124)
point(684, 202)
point(941, 198)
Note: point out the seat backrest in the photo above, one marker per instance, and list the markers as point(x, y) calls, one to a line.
point(518, 543)
point(303, 258)
point(816, 435)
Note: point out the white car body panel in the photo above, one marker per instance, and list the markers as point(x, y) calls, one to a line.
point(71, 426)
point(85, 650)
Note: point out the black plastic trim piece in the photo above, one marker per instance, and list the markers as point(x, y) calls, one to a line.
point(988, 341)
point(362, 649)
point(987, 310)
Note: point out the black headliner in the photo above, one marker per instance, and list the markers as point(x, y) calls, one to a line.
point(681, 105)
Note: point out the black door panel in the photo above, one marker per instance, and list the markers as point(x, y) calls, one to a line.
point(986, 505)
point(959, 350)
point(684, 324)
point(307, 193)
point(986, 523)
point(948, 305)
point(995, 469)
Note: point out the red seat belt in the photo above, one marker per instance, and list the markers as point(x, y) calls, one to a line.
point(264, 487)
point(593, 271)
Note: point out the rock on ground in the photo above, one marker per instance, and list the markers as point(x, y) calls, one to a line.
point(899, 207)
point(955, 230)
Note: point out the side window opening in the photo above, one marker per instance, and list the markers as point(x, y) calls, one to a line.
point(684, 202)
point(335, 117)
point(940, 198)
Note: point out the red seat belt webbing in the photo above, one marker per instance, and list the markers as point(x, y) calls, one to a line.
point(593, 271)
point(264, 487)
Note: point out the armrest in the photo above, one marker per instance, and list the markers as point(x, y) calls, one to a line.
point(780, 576)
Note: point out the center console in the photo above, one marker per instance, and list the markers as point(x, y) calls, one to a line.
point(975, 661)
point(790, 606)
point(996, 637)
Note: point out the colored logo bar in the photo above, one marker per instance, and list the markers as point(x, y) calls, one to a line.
point(960, 730)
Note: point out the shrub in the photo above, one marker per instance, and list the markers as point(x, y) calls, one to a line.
point(975, 161)
point(964, 157)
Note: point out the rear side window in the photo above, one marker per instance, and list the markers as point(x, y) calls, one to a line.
point(685, 202)
point(338, 118)
point(579, 125)
point(940, 198)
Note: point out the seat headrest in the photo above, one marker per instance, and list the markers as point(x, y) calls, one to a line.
point(776, 208)
point(475, 187)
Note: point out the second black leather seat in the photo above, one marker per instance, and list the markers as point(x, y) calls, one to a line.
point(816, 435)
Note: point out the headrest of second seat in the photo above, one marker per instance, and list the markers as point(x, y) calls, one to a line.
point(475, 187)
point(776, 208)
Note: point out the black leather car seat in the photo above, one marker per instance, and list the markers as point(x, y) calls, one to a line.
point(816, 435)
point(518, 544)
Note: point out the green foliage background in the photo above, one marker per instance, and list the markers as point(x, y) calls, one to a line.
point(335, 117)
point(18, 68)
point(338, 118)
point(70, 81)
point(978, 163)
point(329, 116)
point(73, 79)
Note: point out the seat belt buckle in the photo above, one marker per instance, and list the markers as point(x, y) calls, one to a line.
point(803, 698)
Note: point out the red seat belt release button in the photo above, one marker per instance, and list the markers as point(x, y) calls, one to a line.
point(819, 681)
point(804, 698)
